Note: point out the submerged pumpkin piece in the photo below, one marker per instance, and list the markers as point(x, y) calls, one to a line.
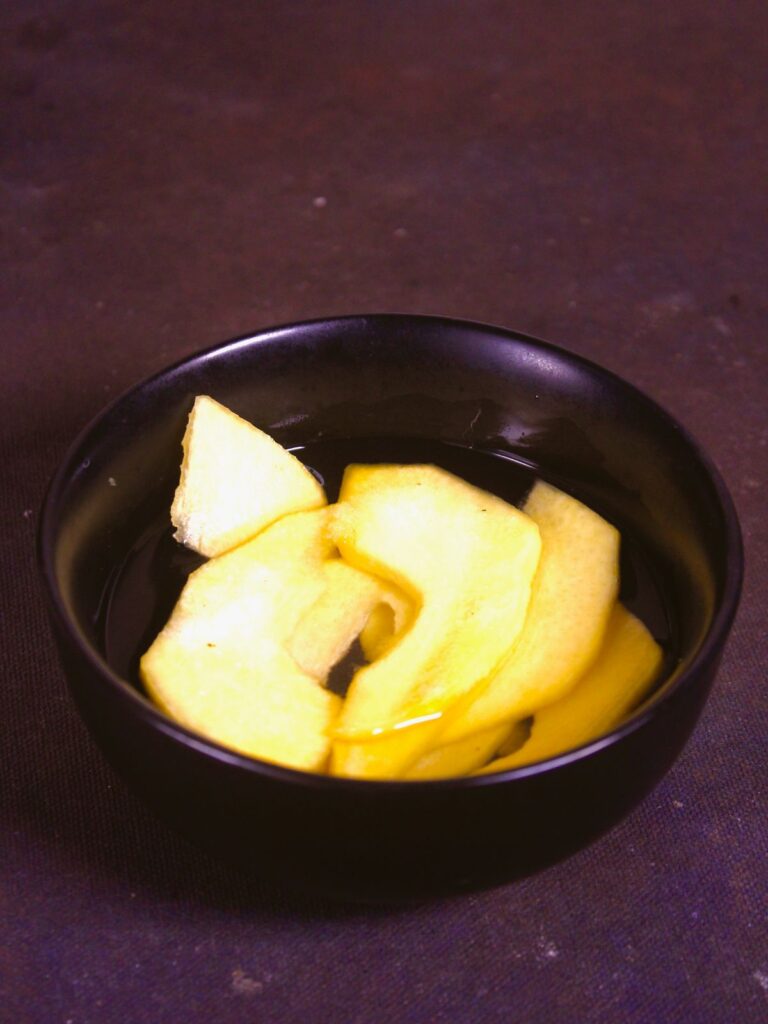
point(623, 672)
point(464, 756)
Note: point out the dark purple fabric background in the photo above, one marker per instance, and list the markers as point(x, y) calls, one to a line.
point(173, 174)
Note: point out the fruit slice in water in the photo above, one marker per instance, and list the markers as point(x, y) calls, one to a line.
point(221, 666)
point(574, 591)
point(235, 481)
point(623, 672)
point(466, 559)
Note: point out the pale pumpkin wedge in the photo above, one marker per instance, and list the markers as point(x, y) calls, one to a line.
point(222, 667)
point(235, 481)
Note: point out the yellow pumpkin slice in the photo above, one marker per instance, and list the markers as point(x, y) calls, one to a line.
point(466, 559)
point(235, 481)
point(574, 591)
point(627, 665)
point(222, 667)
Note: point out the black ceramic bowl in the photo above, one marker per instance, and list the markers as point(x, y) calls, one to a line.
point(424, 387)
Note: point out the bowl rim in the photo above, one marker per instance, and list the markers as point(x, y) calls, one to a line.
point(714, 638)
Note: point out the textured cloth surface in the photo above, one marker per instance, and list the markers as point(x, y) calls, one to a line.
point(175, 174)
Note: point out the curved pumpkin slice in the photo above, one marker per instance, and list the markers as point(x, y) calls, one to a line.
point(221, 666)
point(574, 591)
point(466, 559)
point(235, 481)
point(625, 668)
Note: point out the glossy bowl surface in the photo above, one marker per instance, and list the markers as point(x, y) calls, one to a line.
point(390, 376)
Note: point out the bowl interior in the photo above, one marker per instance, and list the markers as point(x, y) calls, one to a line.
point(414, 378)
